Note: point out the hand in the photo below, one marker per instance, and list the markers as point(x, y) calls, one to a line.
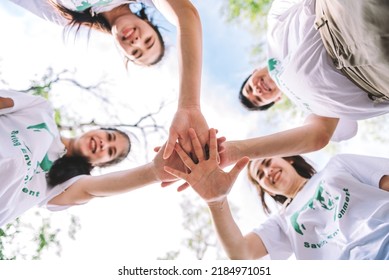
point(206, 177)
point(229, 153)
point(159, 163)
point(182, 121)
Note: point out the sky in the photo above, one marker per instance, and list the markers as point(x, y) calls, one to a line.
point(145, 224)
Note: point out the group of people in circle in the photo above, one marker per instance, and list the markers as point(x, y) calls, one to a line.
point(329, 57)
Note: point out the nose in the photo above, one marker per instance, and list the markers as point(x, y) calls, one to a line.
point(135, 40)
point(258, 90)
point(268, 171)
point(103, 145)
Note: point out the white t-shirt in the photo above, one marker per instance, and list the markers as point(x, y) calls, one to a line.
point(340, 214)
point(302, 69)
point(30, 143)
point(44, 10)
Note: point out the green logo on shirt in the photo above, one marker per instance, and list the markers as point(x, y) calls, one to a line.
point(321, 200)
point(320, 213)
point(85, 4)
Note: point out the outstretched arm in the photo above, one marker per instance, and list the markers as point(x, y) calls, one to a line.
point(185, 17)
point(212, 184)
point(115, 183)
point(313, 135)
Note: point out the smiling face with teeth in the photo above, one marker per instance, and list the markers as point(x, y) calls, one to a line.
point(276, 175)
point(100, 146)
point(260, 89)
point(137, 38)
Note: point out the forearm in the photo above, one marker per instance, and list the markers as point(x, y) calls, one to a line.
point(121, 182)
point(228, 232)
point(190, 60)
point(185, 17)
point(300, 140)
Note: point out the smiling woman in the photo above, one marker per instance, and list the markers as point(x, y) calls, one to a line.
point(101, 147)
point(140, 42)
point(337, 213)
point(39, 168)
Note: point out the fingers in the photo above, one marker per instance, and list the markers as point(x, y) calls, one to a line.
point(156, 149)
point(238, 167)
point(168, 183)
point(186, 159)
point(171, 142)
point(175, 172)
point(212, 145)
point(198, 149)
point(183, 187)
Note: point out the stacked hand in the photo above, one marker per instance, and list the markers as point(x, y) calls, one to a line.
point(206, 176)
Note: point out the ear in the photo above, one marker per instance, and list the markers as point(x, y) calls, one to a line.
point(278, 99)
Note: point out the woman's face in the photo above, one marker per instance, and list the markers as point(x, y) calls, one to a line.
point(101, 146)
point(275, 175)
point(137, 39)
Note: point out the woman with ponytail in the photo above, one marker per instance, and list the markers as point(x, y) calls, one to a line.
point(41, 168)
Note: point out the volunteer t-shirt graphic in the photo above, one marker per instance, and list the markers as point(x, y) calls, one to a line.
point(82, 5)
point(318, 219)
point(34, 165)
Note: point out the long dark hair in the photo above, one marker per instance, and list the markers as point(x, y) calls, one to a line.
point(302, 167)
point(97, 21)
point(68, 167)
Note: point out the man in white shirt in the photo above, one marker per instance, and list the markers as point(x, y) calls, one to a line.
point(300, 67)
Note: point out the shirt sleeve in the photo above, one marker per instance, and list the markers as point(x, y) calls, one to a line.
point(367, 169)
point(345, 130)
point(57, 190)
point(279, 7)
point(22, 101)
point(275, 240)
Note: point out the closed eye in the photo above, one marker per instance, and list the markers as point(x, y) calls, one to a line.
point(136, 54)
point(260, 174)
point(149, 43)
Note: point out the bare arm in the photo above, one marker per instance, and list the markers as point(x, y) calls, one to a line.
point(185, 17)
point(237, 246)
point(312, 136)
point(212, 184)
point(6, 102)
point(89, 187)
point(384, 183)
point(119, 182)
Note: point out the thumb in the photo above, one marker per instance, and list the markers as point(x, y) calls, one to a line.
point(238, 167)
point(171, 142)
point(156, 149)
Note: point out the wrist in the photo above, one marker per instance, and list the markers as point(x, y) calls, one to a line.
point(152, 172)
point(217, 205)
point(188, 106)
